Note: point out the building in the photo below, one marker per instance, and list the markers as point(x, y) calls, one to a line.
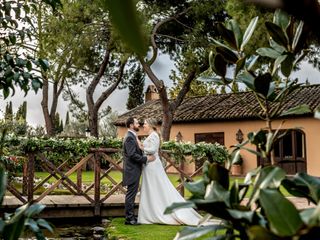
point(225, 119)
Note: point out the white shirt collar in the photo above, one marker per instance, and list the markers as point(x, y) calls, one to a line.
point(134, 133)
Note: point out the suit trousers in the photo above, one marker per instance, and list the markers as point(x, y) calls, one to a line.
point(132, 190)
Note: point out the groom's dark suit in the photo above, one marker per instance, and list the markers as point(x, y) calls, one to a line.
point(132, 167)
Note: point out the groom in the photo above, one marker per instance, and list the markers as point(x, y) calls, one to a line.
point(133, 159)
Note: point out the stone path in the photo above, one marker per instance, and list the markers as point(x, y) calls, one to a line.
point(301, 203)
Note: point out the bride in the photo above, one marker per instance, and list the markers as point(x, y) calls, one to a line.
point(157, 192)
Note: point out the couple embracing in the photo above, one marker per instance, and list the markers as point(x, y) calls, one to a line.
point(157, 192)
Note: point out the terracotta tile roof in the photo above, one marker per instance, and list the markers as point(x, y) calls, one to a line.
point(222, 107)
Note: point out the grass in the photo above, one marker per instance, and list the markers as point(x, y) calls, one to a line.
point(88, 178)
point(119, 230)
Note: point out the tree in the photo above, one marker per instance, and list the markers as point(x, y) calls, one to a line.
point(8, 115)
point(59, 50)
point(58, 125)
point(67, 122)
point(182, 29)
point(136, 85)
point(94, 52)
point(107, 128)
point(18, 69)
point(21, 114)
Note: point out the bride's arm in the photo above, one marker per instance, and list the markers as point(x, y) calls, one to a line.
point(151, 145)
point(140, 144)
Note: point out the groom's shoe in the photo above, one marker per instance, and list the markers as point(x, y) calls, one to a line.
point(131, 222)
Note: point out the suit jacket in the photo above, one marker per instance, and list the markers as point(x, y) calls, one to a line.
point(133, 159)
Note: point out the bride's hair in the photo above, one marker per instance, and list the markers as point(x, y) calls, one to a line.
point(152, 123)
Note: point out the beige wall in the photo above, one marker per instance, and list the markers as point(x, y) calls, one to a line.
point(310, 126)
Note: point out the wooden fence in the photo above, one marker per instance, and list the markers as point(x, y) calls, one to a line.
point(62, 177)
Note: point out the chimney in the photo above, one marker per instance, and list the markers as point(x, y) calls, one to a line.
point(151, 93)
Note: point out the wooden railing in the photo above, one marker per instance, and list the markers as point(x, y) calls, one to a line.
point(62, 177)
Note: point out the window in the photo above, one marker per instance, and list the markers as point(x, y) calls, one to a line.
point(208, 138)
point(290, 152)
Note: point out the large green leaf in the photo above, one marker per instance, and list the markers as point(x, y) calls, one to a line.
point(43, 223)
point(281, 18)
point(34, 209)
point(262, 84)
point(197, 188)
point(277, 34)
point(242, 215)
point(219, 174)
point(304, 185)
point(247, 79)
point(284, 218)
point(227, 54)
point(268, 177)
point(32, 224)
point(277, 62)
point(287, 65)
point(14, 227)
point(297, 36)
point(227, 35)
point(190, 233)
point(178, 205)
point(217, 193)
point(3, 183)
point(219, 65)
point(216, 79)
point(125, 19)
point(234, 193)
point(297, 110)
point(276, 46)
point(268, 52)
point(249, 31)
point(216, 209)
point(234, 26)
point(257, 232)
point(251, 62)
point(240, 65)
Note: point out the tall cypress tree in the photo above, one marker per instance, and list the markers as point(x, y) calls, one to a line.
point(21, 114)
point(8, 115)
point(136, 84)
point(67, 119)
point(57, 123)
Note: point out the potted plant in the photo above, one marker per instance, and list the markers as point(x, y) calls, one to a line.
point(236, 168)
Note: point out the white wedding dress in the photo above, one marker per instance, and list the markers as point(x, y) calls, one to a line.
point(157, 192)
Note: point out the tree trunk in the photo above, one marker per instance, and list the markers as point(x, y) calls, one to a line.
point(93, 121)
point(93, 107)
point(44, 104)
point(168, 107)
point(166, 126)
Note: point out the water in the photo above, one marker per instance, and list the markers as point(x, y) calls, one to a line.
point(71, 228)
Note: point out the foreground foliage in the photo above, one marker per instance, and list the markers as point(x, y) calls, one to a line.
point(265, 214)
point(13, 224)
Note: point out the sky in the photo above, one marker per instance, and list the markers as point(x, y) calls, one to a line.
point(118, 99)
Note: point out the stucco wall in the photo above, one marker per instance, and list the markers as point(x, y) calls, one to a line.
point(310, 126)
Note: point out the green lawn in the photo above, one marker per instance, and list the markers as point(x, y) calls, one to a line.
point(88, 178)
point(119, 230)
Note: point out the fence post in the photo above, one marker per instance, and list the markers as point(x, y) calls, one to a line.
point(25, 178)
point(97, 170)
point(79, 179)
point(30, 178)
point(181, 165)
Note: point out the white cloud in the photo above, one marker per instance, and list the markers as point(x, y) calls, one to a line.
point(117, 99)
